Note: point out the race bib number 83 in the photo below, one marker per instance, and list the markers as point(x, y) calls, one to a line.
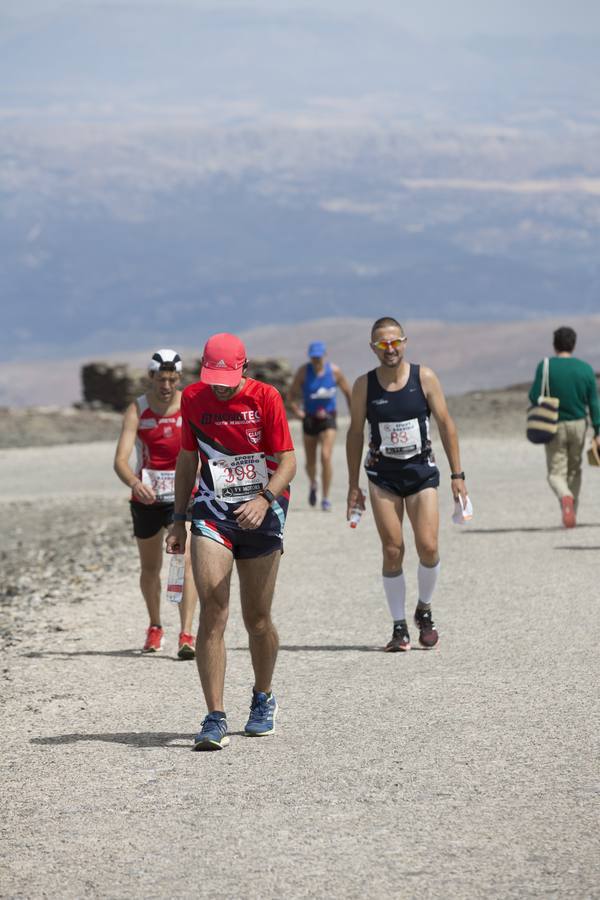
point(400, 440)
point(239, 478)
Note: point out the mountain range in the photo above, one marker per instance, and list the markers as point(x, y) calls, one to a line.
point(167, 169)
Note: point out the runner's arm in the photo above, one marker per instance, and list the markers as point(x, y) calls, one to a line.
point(185, 479)
point(448, 433)
point(355, 439)
point(342, 383)
point(296, 391)
point(141, 492)
point(251, 514)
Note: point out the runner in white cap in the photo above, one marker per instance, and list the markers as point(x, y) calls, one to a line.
point(317, 382)
point(396, 399)
point(152, 424)
point(238, 429)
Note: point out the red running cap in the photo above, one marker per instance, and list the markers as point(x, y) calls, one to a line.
point(223, 360)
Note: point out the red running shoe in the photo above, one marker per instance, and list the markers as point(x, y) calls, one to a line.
point(428, 636)
point(567, 506)
point(154, 639)
point(187, 644)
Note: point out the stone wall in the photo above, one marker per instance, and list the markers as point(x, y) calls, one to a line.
point(114, 386)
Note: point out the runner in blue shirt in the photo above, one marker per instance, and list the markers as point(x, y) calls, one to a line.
point(316, 382)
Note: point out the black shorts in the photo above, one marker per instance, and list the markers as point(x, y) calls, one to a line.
point(243, 543)
point(148, 520)
point(314, 425)
point(407, 480)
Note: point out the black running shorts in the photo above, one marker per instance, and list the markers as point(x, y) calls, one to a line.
point(314, 425)
point(247, 543)
point(411, 480)
point(148, 520)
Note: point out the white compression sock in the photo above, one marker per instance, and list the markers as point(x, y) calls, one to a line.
point(395, 592)
point(426, 579)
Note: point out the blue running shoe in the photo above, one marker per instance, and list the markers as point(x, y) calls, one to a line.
point(262, 714)
point(213, 734)
point(326, 505)
point(312, 496)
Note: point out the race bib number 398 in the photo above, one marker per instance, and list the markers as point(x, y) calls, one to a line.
point(239, 478)
point(400, 440)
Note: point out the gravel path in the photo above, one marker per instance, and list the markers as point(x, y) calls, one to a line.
point(463, 772)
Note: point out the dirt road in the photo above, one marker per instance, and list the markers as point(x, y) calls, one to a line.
point(463, 772)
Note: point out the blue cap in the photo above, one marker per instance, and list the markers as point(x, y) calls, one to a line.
point(317, 348)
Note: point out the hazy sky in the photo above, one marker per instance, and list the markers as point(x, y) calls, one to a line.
point(432, 17)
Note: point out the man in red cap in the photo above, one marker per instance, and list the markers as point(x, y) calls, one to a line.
point(238, 428)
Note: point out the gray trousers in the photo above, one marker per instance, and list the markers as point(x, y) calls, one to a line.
point(563, 458)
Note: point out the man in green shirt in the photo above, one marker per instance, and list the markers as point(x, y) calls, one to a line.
point(574, 383)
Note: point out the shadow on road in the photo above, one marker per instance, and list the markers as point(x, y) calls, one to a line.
point(336, 648)
point(131, 738)
point(579, 547)
point(40, 654)
point(526, 529)
point(330, 648)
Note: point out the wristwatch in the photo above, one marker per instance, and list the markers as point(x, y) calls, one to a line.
point(460, 475)
point(269, 497)
point(180, 517)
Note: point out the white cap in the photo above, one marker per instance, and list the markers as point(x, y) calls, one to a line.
point(165, 359)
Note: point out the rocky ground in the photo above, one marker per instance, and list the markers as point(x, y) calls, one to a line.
point(56, 551)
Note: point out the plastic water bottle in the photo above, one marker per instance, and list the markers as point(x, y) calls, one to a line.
point(462, 514)
point(356, 512)
point(175, 578)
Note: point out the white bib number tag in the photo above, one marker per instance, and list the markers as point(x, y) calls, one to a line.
point(400, 440)
point(162, 482)
point(239, 478)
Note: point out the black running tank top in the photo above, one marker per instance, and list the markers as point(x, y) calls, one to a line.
point(398, 424)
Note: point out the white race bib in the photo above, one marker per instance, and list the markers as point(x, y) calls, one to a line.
point(239, 478)
point(400, 440)
point(162, 482)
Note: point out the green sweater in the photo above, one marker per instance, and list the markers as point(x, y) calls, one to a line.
point(573, 381)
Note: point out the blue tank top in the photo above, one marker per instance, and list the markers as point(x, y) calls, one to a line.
point(319, 391)
point(398, 424)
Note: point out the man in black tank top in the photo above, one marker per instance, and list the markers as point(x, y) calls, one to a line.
point(397, 399)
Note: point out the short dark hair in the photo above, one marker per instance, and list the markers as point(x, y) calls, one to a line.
point(385, 322)
point(564, 339)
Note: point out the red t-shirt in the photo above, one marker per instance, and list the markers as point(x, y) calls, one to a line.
point(252, 422)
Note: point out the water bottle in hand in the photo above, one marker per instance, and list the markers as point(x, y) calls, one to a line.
point(175, 578)
point(356, 512)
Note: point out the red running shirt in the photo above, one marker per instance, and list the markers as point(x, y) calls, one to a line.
point(253, 421)
point(158, 439)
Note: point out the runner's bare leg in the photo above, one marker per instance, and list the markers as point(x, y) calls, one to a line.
point(422, 510)
point(212, 564)
point(151, 555)
point(327, 441)
point(388, 511)
point(310, 450)
point(257, 586)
